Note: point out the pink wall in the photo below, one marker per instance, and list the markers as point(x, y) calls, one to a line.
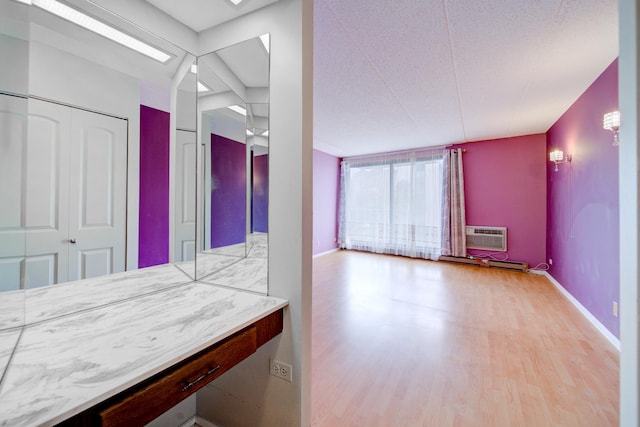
point(505, 187)
point(326, 188)
point(583, 236)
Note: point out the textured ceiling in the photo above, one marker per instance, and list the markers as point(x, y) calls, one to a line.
point(391, 75)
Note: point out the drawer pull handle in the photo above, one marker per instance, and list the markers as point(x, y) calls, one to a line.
point(200, 378)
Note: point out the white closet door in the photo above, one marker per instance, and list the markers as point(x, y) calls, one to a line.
point(97, 195)
point(13, 136)
point(47, 194)
point(185, 192)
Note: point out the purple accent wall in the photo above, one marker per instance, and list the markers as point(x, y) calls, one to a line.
point(326, 190)
point(583, 209)
point(261, 193)
point(153, 231)
point(228, 189)
point(505, 187)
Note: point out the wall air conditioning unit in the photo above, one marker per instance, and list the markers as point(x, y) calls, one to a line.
point(487, 238)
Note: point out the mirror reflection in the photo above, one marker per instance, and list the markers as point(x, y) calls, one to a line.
point(258, 150)
point(234, 134)
point(14, 44)
point(97, 177)
point(183, 238)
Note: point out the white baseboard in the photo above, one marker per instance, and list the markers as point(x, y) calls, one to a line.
point(590, 317)
point(189, 423)
point(330, 251)
point(204, 423)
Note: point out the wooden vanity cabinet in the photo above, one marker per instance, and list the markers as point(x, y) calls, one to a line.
point(151, 398)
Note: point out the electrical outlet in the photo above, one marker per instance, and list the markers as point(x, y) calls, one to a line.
point(615, 309)
point(550, 261)
point(281, 370)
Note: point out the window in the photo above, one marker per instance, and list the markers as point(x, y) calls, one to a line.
point(393, 204)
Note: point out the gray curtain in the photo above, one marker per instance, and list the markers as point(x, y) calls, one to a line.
point(453, 217)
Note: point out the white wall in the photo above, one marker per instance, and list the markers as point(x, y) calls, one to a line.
point(186, 110)
point(14, 78)
point(247, 395)
point(229, 127)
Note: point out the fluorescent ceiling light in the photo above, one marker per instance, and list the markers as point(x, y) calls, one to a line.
point(202, 88)
point(265, 41)
point(238, 109)
point(194, 69)
point(249, 133)
point(265, 133)
point(25, 1)
point(101, 28)
point(236, 2)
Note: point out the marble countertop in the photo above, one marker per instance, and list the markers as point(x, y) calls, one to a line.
point(244, 266)
point(74, 354)
point(72, 297)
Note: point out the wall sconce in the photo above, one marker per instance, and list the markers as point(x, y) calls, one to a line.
point(557, 157)
point(611, 121)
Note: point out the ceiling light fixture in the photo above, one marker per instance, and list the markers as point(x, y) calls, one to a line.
point(249, 133)
point(238, 109)
point(611, 121)
point(194, 69)
point(557, 157)
point(236, 2)
point(202, 88)
point(265, 39)
point(98, 27)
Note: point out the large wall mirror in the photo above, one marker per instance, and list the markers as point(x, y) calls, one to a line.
point(233, 108)
point(14, 45)
point(96, 175)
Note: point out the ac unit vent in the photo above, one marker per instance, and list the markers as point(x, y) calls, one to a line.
point(488, 238)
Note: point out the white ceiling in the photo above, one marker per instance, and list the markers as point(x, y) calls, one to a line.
point(202, 14)
point(415, 73)
point(391, 75)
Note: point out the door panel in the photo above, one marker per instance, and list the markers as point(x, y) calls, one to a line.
point(43, 152)
point(41, 270)
point(185, 214)
point(188, 250)
point(97, 195)
point(10, 271)
point(95, 262)
point(97, 178)
point(12, 169)
point(47, 194)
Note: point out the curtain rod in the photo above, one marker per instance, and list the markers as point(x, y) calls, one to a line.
point(401, 152)
point(395, 153)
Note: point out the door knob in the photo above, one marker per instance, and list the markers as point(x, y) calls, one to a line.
point(72, 241)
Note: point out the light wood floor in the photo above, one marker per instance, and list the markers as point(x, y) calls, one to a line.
point(401, 342)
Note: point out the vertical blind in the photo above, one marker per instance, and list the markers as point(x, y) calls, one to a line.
point(393, 203)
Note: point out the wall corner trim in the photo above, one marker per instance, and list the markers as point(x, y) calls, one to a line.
point(590, 317)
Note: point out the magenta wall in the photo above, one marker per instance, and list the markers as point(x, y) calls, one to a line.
point(228, 190)
point(505, 187)
point(326, 190)
point(153, 231)
point(583, 236)
point(260, 199)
